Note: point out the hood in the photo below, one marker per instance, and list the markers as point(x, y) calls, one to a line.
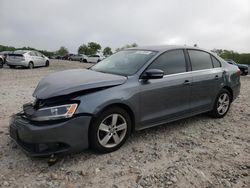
point(70, 81)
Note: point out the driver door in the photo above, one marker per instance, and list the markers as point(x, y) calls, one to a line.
point(167, 98)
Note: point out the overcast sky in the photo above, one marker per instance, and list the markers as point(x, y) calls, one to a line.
point(49, 24)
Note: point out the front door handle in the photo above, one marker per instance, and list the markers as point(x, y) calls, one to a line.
point(216, 77)
point(187, 82)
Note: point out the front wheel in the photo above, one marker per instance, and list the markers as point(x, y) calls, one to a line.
point(110, 130)
point(222, 104)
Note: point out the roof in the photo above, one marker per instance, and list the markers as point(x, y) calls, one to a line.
point(162, 48)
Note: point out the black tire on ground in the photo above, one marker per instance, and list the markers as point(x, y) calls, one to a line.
point(47, 63)
point(12, 66)
point(31, 65)
point(216, 113)
point(95, 133)
point(1, 63)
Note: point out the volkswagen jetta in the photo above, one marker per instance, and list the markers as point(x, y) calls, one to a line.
point(131, 90)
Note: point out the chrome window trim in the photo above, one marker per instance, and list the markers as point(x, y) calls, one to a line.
point(189, 72)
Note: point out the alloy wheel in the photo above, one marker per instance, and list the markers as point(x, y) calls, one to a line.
point(112, 130)
point(223, 103)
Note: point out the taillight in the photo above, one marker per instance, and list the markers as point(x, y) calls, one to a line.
point(239, 72)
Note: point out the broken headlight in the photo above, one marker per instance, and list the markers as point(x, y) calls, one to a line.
point(55, 112)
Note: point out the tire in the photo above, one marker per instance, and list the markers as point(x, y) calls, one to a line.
point(12, 66)
point(31, 65)
point(1, 63)
point(47, 64)
point(85, 61)
point(222, 104)
point(104, 137)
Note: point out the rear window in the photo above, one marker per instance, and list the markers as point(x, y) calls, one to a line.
point(19, 52)
point(200, 60)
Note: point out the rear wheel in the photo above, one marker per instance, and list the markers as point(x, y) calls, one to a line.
point(12, 66)
point(222, 104)
point(31, 65)
point(47, 64)
point(110, 130)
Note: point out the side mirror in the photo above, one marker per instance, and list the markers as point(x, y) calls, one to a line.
point(152, 74)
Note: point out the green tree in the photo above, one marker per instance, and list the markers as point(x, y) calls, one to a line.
point(83, 49)
point(90, 49)
point(127, 46)
point(94, 47)
point(243, 58)
point(107, 51)
point(6, 48)
point(62, 51)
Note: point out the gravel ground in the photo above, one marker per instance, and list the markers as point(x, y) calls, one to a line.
point(195, 152)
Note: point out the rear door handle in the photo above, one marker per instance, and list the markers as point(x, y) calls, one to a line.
point(187, 82)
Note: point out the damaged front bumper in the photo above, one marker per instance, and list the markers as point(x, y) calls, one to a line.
point(50, 138)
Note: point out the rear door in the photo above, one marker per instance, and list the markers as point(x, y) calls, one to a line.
point(166, 99)
point(207, 78)
point(34, 58)
point(40, 59)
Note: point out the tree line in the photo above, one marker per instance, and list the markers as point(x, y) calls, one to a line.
point(242, 58)
point(92, 48)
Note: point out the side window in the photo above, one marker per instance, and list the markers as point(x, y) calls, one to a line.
point(170, 62)
point(32, 54)
point(200, 60)
point(216, 62)
point(38, 54)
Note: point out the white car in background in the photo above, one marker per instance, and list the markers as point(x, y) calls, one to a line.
point(27, 58)
point(95, 58)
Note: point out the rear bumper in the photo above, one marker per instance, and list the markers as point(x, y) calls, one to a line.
point(23, 63)
point(44, 140)
point(236, 91)
point(244, 71)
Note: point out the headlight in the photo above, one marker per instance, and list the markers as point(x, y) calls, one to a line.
point(55, 112)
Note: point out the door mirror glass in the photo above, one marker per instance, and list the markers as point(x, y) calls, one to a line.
point(153, 74)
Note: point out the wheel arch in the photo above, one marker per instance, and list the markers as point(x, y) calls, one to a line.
point(126, 107)
point(230, 91)
point(32, 63)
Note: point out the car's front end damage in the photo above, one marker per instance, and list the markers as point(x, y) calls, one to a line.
point(50, 126)
point(54, 123)
point(51, 137)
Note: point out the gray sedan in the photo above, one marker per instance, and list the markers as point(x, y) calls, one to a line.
point(131, 90)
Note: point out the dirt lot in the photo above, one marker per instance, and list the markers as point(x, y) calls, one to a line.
point(195, 152)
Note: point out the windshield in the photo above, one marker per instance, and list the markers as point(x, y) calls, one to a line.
point(126, 62)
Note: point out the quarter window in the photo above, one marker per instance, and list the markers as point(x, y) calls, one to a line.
point(200, 60)
point(32, 54)
point(216, 62)
point(171, 62)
